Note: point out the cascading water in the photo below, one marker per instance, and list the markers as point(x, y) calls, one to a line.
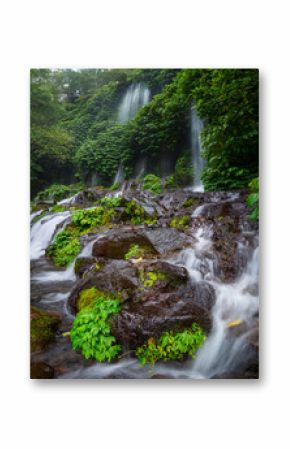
point(42, 232)
point(136, 97)
point(120, 176)
point(236, 308)
point(196, 148)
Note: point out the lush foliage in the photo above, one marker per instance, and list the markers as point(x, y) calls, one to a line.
point(135, 212)
point(172, 346)
point(87, 219)
point(57, 192)
point(153, 183)
point(75, 132)
point(227, 101)
point(253, 198)
point(65, 247)
point(90, 331)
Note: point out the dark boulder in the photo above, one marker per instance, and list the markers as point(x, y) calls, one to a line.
point(116, 243)
point(163, 311)
point(117, 276)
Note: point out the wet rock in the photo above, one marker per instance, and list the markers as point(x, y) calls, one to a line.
point(163, 311)
point(160, 276)
point(43, 327)
point(116, 243)
point(167, 240)
point(83, 264)
point(41, 370)
point(117, 277)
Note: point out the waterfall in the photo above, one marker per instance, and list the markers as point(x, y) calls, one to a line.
point(42, 232)
point(236, 307)
point(136, 96)
point(196, 147)
point(120, 176)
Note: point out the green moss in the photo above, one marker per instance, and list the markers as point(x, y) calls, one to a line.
point(149, 278)
point(65, 247)
point(172, 346)
point(180, 222)
point(189, 202)
point(42, 329)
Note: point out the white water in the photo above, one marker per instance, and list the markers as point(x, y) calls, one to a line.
point(196, 148)
point(136, 96)
point(120, 175)
point(235, 302)
point(42, 232)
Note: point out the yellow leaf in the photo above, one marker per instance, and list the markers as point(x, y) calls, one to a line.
point(234, 323)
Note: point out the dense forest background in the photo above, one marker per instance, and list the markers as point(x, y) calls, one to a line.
point(76, 136)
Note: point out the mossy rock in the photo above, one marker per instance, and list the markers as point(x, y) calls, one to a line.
point(43, 326)
point(189, 202)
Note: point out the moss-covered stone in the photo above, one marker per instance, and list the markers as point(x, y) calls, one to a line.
point(189, 202)
point(43, 326)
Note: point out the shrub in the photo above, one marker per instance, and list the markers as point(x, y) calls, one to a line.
point(183, 172)
point(153, 183)
point(135, 212)
point(84, 220)
point(90, 331)
point(65, 247)
point(172, 346)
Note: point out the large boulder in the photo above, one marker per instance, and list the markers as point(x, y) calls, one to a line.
point(116, 276)
point(116, 243)
point(163, 311)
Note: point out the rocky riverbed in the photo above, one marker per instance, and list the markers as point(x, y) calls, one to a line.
point(202, 249)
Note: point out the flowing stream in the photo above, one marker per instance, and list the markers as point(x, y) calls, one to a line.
point(234, 314)
point(196, 148)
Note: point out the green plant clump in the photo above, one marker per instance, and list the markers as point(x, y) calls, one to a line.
point(189, 202)
point(149, 278)
point(115, 186)
point(84, 220)
point(172, 346)
point(90, 331)
point(134, 252)
point(135, 212)
point(65, 247)
point(253, 198)
point(152, 183)
point(180, 222)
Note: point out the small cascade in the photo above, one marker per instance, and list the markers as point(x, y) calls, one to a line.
point(43, 231)
point(234, 312)
point(196, 148)
point(120, 175)
point(136, 96)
